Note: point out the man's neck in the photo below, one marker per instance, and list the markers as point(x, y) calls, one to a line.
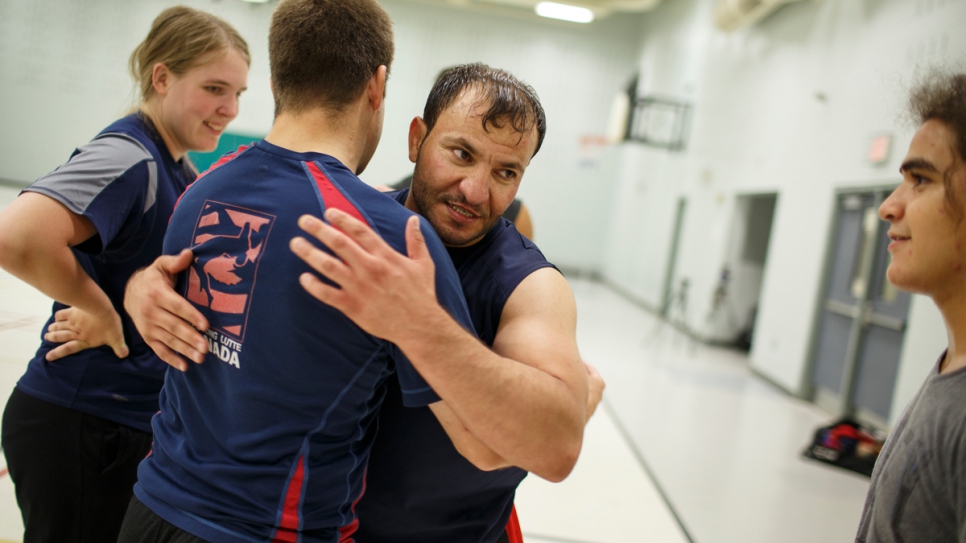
point(954, 315)
point(410, 203)
point(319, 131)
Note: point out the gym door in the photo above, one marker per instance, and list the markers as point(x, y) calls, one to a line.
point(863, 317)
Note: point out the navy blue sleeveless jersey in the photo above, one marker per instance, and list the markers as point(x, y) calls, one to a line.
point(419, 488)
point(126, 183)
point(268, 439)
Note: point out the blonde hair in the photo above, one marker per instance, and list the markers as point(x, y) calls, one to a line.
point(181, 38)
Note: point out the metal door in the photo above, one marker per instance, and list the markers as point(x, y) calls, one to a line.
point(863, 318)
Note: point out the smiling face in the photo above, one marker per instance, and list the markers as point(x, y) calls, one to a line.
point(929, 242)
point(192, 110)
point(466, 174)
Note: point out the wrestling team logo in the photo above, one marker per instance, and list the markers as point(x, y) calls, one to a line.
point(228, 242)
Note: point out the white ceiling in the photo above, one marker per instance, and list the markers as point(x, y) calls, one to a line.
point(524, 8)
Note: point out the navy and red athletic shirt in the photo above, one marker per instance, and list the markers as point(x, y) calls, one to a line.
point(268, 439)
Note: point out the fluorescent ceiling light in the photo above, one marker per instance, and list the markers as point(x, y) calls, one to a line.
point(256, 1)
point(574, 14)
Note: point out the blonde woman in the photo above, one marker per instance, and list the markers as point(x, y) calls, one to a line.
point(78, 422)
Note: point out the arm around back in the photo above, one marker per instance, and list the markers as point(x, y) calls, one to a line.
point(525, 400)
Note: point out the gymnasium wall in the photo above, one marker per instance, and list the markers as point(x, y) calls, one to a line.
point(788, 106)
point(63, 78)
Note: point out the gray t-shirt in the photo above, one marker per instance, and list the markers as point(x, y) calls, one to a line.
point(918, 491)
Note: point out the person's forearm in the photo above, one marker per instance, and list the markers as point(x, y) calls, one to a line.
point(529, 408)
point(55, 272)
point(530, 418)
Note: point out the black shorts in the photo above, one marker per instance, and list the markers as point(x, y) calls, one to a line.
point(73, 473)
point(142, 524)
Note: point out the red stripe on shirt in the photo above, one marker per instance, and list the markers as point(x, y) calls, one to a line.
point(221, 162)
point(225, 159)
point(513, 532)
point(345, 532)
point(331, 196)
point(287, 531)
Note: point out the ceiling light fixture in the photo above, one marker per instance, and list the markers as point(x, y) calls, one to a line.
point(564, 12)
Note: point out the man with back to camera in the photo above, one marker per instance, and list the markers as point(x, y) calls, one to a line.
point(268, 441)
point(528, 408)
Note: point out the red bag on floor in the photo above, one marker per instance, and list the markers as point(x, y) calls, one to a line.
point(846, 444)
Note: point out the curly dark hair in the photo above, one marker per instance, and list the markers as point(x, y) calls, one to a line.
point(509, 99)
point(941, 96)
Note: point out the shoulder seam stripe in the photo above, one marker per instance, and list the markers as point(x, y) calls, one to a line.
point(331, 195)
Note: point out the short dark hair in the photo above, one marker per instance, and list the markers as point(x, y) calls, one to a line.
point(941, 96)
point(324, 52)
point(509, 99)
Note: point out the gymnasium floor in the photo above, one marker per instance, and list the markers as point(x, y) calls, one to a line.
point(688, 445)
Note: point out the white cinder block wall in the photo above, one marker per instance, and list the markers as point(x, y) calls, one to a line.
point(758, 126)
point(63, 73)
point(63, 78)
point(788, 106)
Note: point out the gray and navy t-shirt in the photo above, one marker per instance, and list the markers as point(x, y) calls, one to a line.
point(126, 183)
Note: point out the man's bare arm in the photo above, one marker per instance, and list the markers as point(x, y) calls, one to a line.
point(526, 399)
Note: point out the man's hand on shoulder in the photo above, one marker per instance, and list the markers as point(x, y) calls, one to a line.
point(387, 294)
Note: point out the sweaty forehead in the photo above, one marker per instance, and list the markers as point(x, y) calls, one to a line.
point(468, 104)
point(472, 105)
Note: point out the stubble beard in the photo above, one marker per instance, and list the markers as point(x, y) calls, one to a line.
point(426, 202)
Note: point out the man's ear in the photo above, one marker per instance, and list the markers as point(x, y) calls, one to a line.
point(417, 132)
point(161, 78)
point(376, 90)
